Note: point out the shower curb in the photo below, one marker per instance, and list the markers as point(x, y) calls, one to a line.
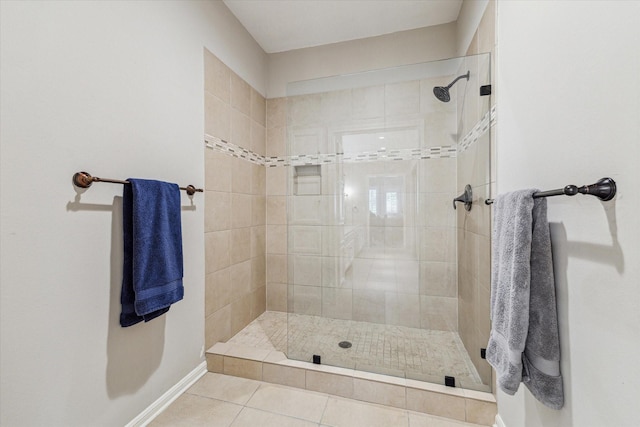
point(273, 366)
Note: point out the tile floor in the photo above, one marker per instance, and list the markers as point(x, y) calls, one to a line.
point(400, 351)
point(223, 401)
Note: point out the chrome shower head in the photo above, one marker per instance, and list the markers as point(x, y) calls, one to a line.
point(442, 92)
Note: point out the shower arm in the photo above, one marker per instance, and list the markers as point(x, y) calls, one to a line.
point(464, 76)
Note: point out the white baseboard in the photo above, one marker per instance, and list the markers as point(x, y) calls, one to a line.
point(499, 422)
point(153, 410)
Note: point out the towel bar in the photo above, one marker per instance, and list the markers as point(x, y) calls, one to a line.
point(84, 180)
point(605, 189)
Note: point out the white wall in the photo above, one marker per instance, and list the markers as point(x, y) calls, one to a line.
point(391, 50)
point(116, 89)
point(569, 112)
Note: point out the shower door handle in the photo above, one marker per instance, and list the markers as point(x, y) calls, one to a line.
point(466, 198)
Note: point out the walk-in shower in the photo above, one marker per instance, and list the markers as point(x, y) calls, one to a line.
point(381, 274)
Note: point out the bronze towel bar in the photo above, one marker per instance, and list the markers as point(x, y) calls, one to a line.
point(84, 180)
point(604, 189)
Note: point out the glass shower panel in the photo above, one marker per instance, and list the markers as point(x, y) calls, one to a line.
point(372, 246)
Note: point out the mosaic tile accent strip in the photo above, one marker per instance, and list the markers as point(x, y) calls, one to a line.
point(445, 151)
point(233, 149)
point(487, 121)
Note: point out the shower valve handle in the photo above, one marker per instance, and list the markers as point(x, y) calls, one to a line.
point(466, 198)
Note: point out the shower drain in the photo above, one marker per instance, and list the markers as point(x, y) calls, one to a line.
point(344, 344)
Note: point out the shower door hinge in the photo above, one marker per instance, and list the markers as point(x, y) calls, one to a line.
point(483, 353)
point(316, 359)
point(450, 381)
point(485, 90)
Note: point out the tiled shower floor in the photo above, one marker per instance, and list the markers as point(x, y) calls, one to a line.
point(400, 351)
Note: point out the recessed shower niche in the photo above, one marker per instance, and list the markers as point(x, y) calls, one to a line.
point(307, 180)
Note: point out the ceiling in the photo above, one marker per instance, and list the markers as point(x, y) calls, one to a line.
point(281, 25)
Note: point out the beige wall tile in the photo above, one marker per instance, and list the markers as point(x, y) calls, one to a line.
point(217, 211)
point(402, 309)
point(306, 269)
point(240, 176)
point(240, 313)
point(438, 175)
point(258, 272)
point(217, 117)
point(335, 106)
point(285, 375)
point(277, 181)
point(258, 108)
point(480, 412)
point(258, 180)
point(439, 313)
point(240, 245)
point(241, 210)
point(215, 363)
point(276, 112)
point(218, 326)
point(277, 297)
point(402, 98)
point(276, 142)
point(438, 244)
point(303, 110)
point(217, 77)
point(368, 102)
point(240, 129)
point(242, 368)
point(240, 277)
point(307, 300)
point(258, 138)
point(240, 95)
point(258, 210)
point(216, 250)
point(277, 210)
point(436, 404)
point(277, 239)
point(337, 303)
point(438, 279)
point(383, 394)
point(324, 382)
point(258, 302)
point(258, 239)
point(436, 209)
point(368, 306)
point(217, 171)
point(217, 291)
point(277, 268)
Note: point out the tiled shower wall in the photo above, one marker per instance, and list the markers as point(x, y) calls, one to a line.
point(475, 167)
point(276, 191)
point(235, 204)
point(427, 296)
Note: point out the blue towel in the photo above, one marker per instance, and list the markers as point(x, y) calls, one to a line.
point(152, 231)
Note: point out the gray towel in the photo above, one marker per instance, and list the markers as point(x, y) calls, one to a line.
point(524, 344)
